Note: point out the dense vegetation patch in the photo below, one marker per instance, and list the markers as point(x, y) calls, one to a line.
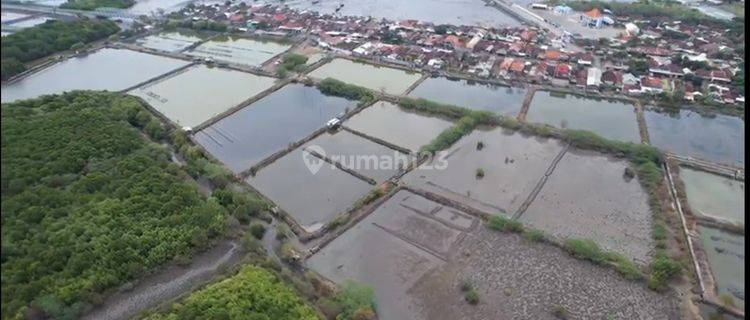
point(467, 120)
point(338, 88)
point(197, 25)
point(253, 293)
point(292, 62)
point(88, 202)
point(355, 301)
point(47, 38)
point(587, 249)
point(93, 4)
point(663, 269)
point(502, 223)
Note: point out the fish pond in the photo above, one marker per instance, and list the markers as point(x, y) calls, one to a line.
point(308, 189)
point(471, 94)
point(392, 248)
point(169, 41)
point(713, 195)
point(726, 258)
point(588, 196)
point(717, 138)
point(457, 12)
point(269, 125)
point(105, 69)
point(239, 50)
point(361, 155)
point(389, 80)
point(607, 118)
point(396, 125)
point(511, 165)
point(193, 96)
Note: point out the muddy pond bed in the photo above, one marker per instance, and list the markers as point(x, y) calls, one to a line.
point(587, 196)
point(194, 96)
point(269, 125)
point(417, 253)
point(512, 165)
point(93, 71)
point(393, 248)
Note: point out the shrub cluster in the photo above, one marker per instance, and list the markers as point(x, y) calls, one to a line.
point(587, 249)
point(338, 88)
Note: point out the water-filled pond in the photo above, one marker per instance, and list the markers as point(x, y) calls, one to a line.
point(471, 94)
point(239, 50)
point(269, 125)
point(366, 157)
point(714, 195)
point(313, 198)
point(457, 12)
point(169, 41)
point(191, 97)
point(105, 69)
point(726, 257)
point(718, 138)
point(389, 80)
point(398, 126)
point(607, 118)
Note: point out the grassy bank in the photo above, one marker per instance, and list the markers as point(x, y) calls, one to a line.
point(583, 249)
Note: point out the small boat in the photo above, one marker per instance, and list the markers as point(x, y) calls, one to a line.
point(315, 1)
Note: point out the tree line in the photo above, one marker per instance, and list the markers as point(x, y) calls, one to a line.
point(47, 38)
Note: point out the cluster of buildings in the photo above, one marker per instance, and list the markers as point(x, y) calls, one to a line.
point(673, 59)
